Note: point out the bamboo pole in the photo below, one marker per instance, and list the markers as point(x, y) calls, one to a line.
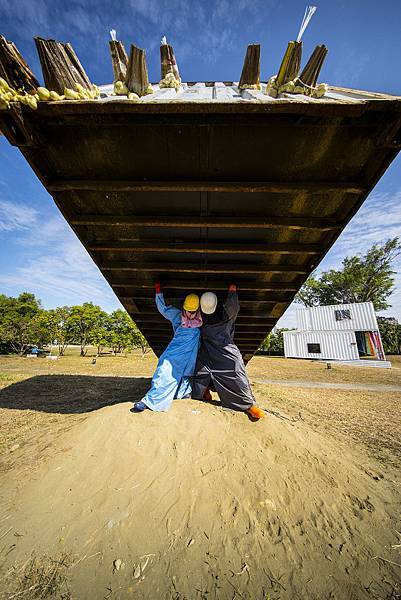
point(313, 67)
point(13, 68)
point(61, 66)
point(119, 60)
point(290, 64)
point(168, 65)
point(137, 80)
point(250, 76)
point(80, 74)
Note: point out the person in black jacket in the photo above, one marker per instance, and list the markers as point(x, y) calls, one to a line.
point(219, 362)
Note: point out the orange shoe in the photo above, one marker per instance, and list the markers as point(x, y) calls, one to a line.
point(255, 413)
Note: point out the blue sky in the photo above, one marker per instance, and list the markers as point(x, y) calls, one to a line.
point(39, 252)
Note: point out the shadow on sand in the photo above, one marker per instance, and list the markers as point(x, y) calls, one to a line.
point(72, 394)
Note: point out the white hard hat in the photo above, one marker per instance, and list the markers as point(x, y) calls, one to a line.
point(208, 303)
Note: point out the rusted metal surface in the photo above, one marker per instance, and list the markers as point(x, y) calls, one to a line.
point(202, 194)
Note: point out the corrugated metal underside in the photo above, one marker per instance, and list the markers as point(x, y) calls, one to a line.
point(201, 196)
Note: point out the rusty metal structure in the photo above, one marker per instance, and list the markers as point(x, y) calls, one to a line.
point(207, 186)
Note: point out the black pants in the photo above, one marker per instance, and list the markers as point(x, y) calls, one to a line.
point(232, 387)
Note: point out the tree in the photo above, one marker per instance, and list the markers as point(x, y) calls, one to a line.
point(17, 321)
point(274, 342)
point(100, 336)
point(64, 327)
point(44, 326)
point(367, 278)
point(55, 326)
point(123, 334)
point(140, 341)
point(390, 331)
point(84, 322)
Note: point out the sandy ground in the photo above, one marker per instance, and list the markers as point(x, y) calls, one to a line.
point(198, 502)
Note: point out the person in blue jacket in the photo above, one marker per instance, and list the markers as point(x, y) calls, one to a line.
point(177, 363)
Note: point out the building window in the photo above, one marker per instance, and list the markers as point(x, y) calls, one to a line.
point(342, 315)
point(314, 349)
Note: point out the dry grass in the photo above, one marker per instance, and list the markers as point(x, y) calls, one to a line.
point(41, 399)
point(309, 370)
point(367, 418)
point(73, 364)
point(39, 578)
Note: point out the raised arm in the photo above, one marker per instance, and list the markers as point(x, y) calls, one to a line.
point(169, 312)
point(231, 303)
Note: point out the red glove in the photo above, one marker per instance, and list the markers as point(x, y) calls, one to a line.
point(158, 287)
point(232, 287)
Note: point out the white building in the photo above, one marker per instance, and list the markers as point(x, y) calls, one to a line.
point(342, 332)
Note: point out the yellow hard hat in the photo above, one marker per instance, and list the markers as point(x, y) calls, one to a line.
point(191, 303)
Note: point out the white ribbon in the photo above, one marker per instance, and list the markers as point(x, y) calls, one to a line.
point(309, 12)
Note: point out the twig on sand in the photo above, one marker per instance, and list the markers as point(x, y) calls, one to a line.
point(274, 580)
point(243, 569)
point(386, 560)
point(291, 420)
point(84, 558)
point(235, 588)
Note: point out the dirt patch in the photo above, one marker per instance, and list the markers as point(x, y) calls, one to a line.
point(198, 502)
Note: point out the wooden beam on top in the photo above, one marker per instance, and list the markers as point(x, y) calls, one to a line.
point(154, 315)
point(265, 222)
point(216, 286)
point(204, 247)
point(243, 320)
point(243, 325)
point(181, 268)
point(245, 300)
point(275, 187)
point(249, 336)
point(160, 326)
point(151, 301)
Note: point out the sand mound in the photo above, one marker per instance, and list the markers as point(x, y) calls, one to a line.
point(202, 503)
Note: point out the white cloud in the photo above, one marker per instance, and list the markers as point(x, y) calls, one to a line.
point(16, 216)
point(27, 16)
point(56, 266)
point(196, 31)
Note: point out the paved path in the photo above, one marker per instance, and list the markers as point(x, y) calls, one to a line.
point(334, 386)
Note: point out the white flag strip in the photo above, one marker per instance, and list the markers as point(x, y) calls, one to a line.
point(309, 12)
point(113, 34)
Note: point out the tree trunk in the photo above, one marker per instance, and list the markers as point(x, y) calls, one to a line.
point(137, 79)
point(14, 69)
